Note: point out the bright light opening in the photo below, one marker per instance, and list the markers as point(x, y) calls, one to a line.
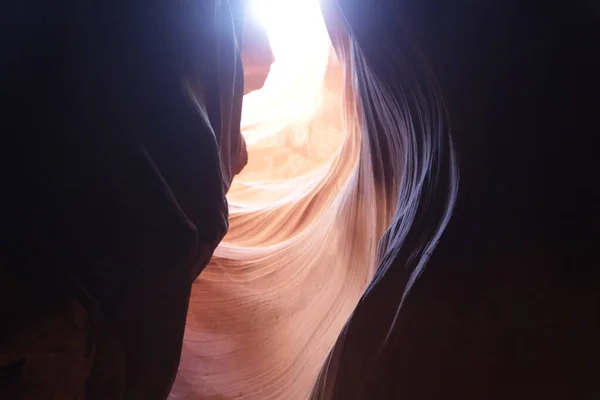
point(293, 26)
point(293, 91)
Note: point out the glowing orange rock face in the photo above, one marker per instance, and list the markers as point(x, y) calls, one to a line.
point(269, 307)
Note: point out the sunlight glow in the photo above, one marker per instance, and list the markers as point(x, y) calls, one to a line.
point(293, 26)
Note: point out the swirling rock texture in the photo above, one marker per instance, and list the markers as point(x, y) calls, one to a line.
point(270, 305)
point(308, 211)
point(122, 122)
point(507, 306)
point(491, 317)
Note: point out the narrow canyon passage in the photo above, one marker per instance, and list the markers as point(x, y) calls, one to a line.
point(303, 232)
point(151, 252)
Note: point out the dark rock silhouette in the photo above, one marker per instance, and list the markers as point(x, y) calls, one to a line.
point(122, 125)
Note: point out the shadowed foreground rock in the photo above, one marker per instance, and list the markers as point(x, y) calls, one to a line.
point(122, 125)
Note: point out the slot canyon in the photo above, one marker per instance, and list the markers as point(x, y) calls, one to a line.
point(299, 199)
point(305, 216)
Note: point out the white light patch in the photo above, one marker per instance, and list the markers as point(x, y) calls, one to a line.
point(292, 26)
